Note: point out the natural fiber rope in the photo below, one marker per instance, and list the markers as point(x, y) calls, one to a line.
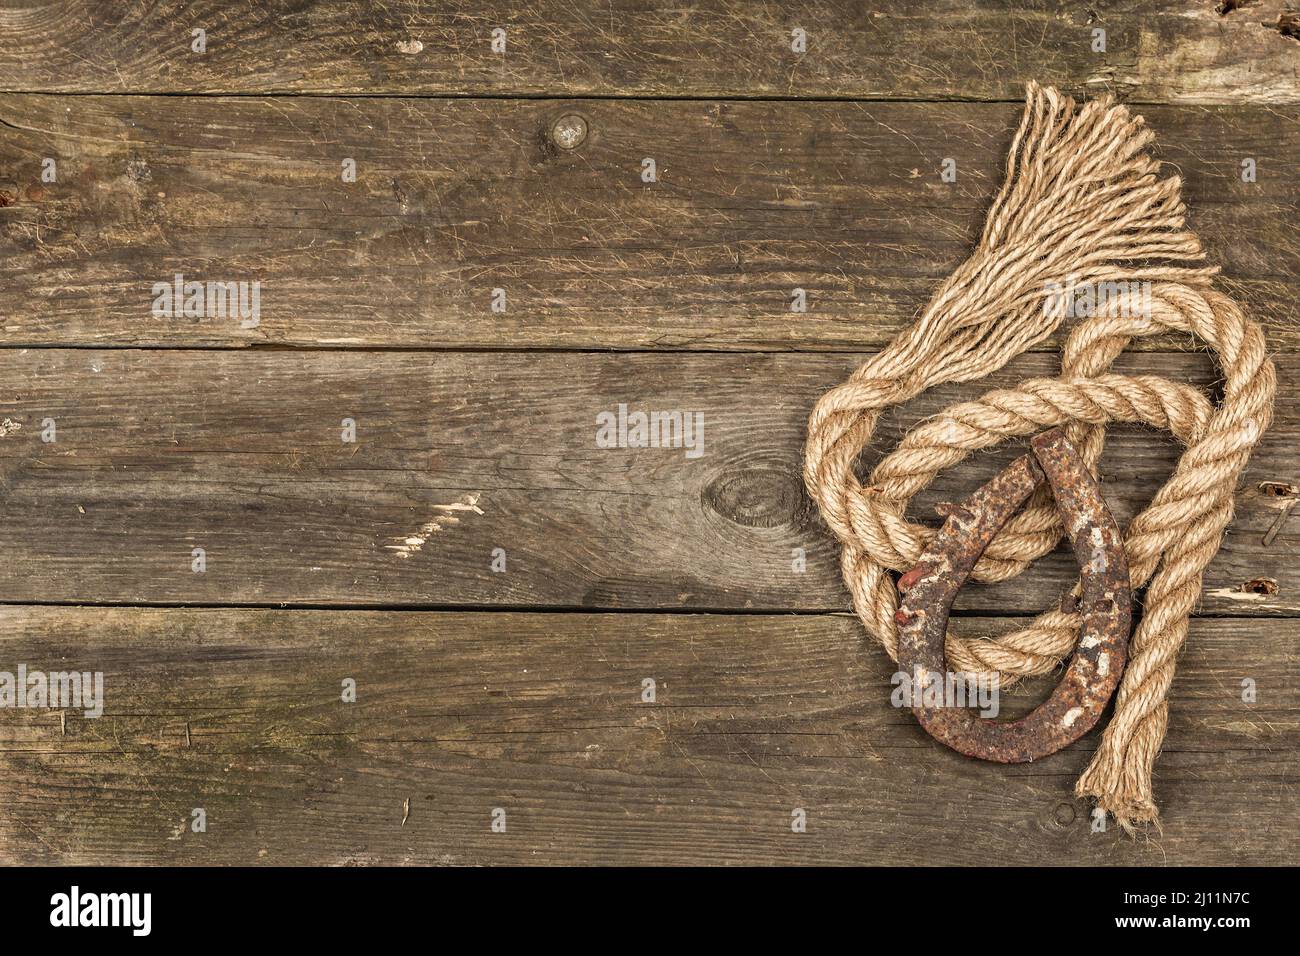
point(1081, 204)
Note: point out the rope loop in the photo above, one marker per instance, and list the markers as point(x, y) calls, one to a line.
point(1081, 227)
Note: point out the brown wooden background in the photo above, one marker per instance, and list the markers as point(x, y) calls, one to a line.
point(521, 690)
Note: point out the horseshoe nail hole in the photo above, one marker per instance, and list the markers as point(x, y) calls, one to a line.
point(1288, 24)
point(1064, 814)
point(1278, 489)
point(1265, 586)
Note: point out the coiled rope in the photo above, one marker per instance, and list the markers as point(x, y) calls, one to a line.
point(1081, 207)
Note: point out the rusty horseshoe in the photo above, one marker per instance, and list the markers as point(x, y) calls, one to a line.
point(1105, 605)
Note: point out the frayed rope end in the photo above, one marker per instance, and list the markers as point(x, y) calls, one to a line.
point(1133, 814)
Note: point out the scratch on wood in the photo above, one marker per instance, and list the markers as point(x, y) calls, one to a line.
point(1277, 524)
point(1283, 496)
point(408, 545)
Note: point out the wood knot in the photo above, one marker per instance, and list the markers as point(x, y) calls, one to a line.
point(761, 495)
point(1064, 815)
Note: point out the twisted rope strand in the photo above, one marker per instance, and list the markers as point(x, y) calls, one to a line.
point(1080, 207)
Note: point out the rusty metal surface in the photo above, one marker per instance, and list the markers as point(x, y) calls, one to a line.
point(1105, 604)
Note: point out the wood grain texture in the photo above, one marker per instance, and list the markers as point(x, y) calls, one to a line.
point(455, 198)
point(1171, 50)
point(239, 712)
point(241, 453)
point(476, 429)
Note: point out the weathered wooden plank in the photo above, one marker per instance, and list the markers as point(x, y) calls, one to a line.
point(1180, 50)
point(457, 198)
point(241, 453)
point(541, 715)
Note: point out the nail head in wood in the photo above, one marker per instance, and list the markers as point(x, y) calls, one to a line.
point(569, 131)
